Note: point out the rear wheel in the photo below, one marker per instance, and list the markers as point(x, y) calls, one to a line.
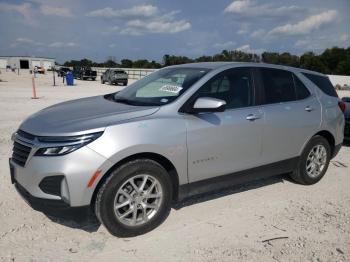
point(313, 162)
point(135, 198)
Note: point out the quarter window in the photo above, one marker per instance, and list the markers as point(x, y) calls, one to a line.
point(233, 86)
point(323, 83)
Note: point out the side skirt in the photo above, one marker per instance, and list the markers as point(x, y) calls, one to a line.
point(225, 181)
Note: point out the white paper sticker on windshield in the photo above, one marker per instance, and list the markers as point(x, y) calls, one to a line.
point(171, 89)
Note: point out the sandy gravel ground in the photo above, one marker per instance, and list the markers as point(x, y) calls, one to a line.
point(312, 221)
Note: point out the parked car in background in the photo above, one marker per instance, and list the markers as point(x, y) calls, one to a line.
point(182, 130)
point(114, 76)
point(84, 73)
point(63, 71)
point(346, 100)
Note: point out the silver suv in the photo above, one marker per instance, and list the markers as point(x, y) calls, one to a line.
point(180, 131)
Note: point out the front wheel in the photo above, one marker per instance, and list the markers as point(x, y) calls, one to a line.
point(313, 162)
point(135, 198)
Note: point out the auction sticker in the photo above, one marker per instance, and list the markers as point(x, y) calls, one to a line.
point(171, 89)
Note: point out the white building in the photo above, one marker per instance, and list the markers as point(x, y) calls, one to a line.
point(26, 62)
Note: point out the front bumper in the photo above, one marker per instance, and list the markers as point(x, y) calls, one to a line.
point(123, 81)
point(75, 170)
point(39, 203)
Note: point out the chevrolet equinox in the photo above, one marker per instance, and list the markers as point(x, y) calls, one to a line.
point(180, 131)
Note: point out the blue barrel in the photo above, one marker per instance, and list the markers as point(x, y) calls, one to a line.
point(69, 78)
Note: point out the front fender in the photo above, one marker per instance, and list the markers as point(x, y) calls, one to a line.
point(165, 137)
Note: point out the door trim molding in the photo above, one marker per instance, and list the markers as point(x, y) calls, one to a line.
point(225, 181)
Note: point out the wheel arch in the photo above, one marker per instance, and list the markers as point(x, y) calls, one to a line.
point(329, 137)
point(163, 161)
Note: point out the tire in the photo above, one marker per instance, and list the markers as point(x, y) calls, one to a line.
point(109, 196)
point(93, 79)
point(301, 174)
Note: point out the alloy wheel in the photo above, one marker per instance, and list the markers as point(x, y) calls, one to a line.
point(316, 161)
point(138, 200)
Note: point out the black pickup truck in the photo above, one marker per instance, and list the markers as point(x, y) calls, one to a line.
point(84, 73)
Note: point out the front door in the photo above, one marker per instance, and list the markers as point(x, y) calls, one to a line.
point(225, 142)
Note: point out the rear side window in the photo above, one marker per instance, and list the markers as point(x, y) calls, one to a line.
point(301, 91)
point(278, 85)
point(323, 83)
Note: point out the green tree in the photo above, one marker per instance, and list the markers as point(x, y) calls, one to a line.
point(126, 63)
point(312, 62)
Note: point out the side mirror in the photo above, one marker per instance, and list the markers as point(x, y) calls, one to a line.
point(208, 104)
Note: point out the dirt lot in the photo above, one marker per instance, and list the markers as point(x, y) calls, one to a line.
point(312, 221)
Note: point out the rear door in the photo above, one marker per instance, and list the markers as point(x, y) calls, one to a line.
point(224, 142)
point(292, 114)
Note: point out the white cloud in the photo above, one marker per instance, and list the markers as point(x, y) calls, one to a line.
point(153, 21)
point(251, 9)
point(238, 6)
point(306, 26)
point(224, 45)
point(344, 38)
point(139, 27)
point(63, 44)
point(135, 11)
point(246, 48)
point(57, 11)
point(25, 41)
point(322, 42)
point(112, 45)
point(260, 33)
point(23, 9)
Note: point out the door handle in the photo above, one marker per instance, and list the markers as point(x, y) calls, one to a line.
point(252, 117)
point(309, 109)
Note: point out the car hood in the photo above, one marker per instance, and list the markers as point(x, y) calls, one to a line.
point(81, 115)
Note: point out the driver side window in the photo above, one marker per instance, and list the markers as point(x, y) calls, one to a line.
point(233, 86)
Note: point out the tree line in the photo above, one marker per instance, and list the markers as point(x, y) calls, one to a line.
point(333, 60)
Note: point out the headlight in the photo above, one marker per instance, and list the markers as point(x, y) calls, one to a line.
point(58, 146)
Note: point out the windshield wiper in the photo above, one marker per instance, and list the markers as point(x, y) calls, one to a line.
point(123, 100)
point(133, 102)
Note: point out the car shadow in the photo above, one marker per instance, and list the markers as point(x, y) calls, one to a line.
point(83, 218)
point(78, 218)
point(346, 143)
point(197, 199)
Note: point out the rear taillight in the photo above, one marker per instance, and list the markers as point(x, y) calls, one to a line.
point(342, 106)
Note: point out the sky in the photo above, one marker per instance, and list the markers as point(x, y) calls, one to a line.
point(136, 29)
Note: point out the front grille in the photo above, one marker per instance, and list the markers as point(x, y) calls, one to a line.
point(20, 153)
point(51, 185)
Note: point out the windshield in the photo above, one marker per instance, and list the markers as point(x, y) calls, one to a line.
point(160, 87)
